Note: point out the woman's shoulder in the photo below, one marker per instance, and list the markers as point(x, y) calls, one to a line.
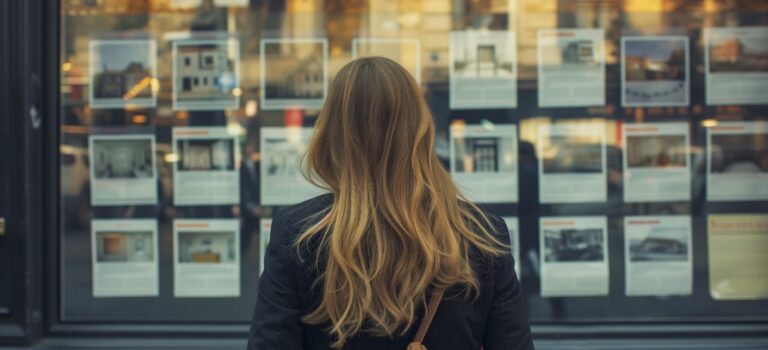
point(498, 226)
point(294, 219)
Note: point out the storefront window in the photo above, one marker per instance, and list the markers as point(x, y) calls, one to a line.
point(625, 143)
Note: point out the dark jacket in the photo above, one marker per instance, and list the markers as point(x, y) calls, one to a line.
point(496, 320)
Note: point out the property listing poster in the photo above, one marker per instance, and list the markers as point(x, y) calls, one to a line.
point(572, 163)
point(123, 169)
point(737, 161)
point(406, 52)
point(483, 160)
point(571, 69)
point(736, 61)
point(654, 71)
point(185, 4)
point(574, 256)
point(483, 69)
point(206, 72)
point(206, 171)
point(658, 255)
point(123, 73)
point(738, 260)
point(124, 258)
point(656, 162)
point(233, 3)
point(282, 182)
point(294, 73)
point(206, 258)
point(514, 240)
point(264, 232)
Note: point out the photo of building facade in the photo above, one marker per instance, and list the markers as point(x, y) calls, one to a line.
point(205, 74)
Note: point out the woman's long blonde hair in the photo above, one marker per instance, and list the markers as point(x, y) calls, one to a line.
point(397, 226)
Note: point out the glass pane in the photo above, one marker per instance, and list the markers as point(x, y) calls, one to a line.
point(624, 142)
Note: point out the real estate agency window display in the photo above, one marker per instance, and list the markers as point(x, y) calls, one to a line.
point(604, 137)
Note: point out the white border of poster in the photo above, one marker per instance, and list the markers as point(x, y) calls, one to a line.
point(125, 278)
point(574, 278)
point(577, 87)
point(376, 41)
point(483, 92)
point(212, 187)
point(572, 187)
point(287, 185)
point(737, 185)
point(233, 3)
point(735, 88)
point(657, 183)
point(232, 45)
point(114, 103)
point(658, 273)
point(668, 89)
point(185, 4)
point(514, 237)
point(220, 279)
point(265, 230)
point(268, 104)
point(487, 187)
point(122, 191)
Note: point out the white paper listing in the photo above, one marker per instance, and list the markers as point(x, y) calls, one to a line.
point(736, 69)
point(572, 163)
point(124, 258)
point(206, 258)
point(574, 256)
point(658, 255)
point(737, 161)
point(654, 71)
point(206, 170)
point(571, 69)
point(656, 162)
point(281, 179)
point(123, 169)
point(484, 161)
point(483, 69)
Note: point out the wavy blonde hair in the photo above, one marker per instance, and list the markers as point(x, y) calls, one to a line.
point(397, 226)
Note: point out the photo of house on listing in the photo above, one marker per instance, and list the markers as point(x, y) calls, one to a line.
point(206, 75)
point(122, 73)
point(655, 71)
point(294, 73)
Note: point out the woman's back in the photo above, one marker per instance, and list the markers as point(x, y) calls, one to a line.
point(355, 268)
point(496, 319)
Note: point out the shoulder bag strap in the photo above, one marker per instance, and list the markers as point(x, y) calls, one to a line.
point(434, 302)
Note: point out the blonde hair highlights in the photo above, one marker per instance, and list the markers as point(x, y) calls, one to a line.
point(397, 225)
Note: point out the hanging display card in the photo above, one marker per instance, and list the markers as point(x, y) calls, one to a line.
point(282, 181)
point(737, 161)
point(206, 169)
point(656, 162)
point(484, 161)
point(574, 256)
point(571, 69)
point(206, 258)
point(736, 65)
point(124, 257)
point(738, 260)
point(658, 255)
point(483, 69)
point(572, 163)
point(123, 169)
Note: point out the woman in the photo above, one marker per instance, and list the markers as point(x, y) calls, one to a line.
point(355, 268)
